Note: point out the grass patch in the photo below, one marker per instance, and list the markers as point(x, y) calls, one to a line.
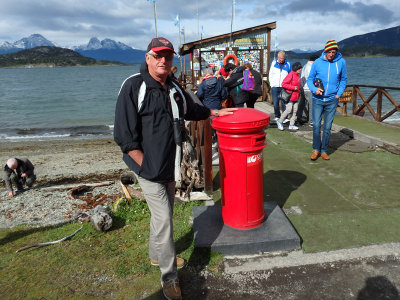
point(347, 230)
point(92, 263)
point(349, 201)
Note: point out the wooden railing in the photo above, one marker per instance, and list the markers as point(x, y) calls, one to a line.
point(353, 91)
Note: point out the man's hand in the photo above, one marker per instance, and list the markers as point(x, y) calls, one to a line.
point(319, 92)
point(11, 194)
point(137, 156)
point(23, 175)
point(223, 111)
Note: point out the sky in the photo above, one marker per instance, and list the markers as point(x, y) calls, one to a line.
point(301, 24)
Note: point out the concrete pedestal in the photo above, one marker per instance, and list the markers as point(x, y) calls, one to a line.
point(276, 233)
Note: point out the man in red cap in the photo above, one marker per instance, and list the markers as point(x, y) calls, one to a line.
point(149, 120)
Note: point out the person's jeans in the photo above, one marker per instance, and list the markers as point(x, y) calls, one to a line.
point(275, 99)
point(328, 110)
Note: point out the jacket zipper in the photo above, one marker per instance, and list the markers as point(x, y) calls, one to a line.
point(327, 82)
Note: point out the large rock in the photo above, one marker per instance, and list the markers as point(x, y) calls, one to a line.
point(100, 218)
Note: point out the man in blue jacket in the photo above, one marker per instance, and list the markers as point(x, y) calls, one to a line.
point(330, 68)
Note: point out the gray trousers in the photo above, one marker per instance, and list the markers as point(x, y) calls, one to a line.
point(160, 199)
point(291, 107)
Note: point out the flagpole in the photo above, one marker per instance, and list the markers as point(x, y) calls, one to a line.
point(180, 44)
point(233, 3)
point(184, 60)
point(155, 16)
point(198, 23)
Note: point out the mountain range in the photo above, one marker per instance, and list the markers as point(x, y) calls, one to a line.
point(382, 42)
point(106, 49)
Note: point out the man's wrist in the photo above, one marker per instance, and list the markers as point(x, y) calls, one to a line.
point(214, 112)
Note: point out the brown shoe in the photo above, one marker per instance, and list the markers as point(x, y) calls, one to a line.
point(314, 155)
point(324, 156)
point(180, 262)
point(171, 289)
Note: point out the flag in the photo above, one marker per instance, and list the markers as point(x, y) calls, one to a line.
point(154, 1)
point(176, 20)
point(276, 40)
point(183, 30)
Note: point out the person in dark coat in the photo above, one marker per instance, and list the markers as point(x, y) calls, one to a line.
point(257, 92)
point(18, 171)
point(233, 82)
point(212, 91)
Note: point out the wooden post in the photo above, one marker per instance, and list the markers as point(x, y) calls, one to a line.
point(379, 106)
point(208, 173)
point(354, 99)
point(268, 50)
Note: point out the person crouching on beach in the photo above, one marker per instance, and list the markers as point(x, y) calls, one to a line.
point(291, 83)
point(148, 105)
point(18, 171)
point(330, 68)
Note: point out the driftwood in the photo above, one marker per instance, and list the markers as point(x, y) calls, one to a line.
point(190, 172)
point(48, 243)
point(130, 193)
point(74, 186)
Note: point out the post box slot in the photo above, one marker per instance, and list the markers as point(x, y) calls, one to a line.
point(257, 140)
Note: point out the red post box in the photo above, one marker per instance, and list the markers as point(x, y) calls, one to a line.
point(241, 139)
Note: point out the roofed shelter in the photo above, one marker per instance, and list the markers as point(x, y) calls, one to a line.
point(251, 45)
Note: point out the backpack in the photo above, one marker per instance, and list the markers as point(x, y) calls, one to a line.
point(248, 81)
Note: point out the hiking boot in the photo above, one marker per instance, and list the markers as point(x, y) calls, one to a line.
point(286, 121)
point(293, 127)
point(314, 155)
point(180, 262)
point(171, 289)
point(325, 156)
point(280, 125)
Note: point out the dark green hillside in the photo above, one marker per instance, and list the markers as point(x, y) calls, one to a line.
point(372, 50)
point(46, 56)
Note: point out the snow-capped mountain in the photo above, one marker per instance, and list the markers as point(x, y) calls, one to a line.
point(106, 44)
point(106, 49)
point(304, 50)
point(32, 41)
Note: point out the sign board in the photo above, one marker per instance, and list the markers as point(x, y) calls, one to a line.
point(249, 42)
point(346, 96)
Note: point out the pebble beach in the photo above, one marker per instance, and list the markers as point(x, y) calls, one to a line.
point(60, 165)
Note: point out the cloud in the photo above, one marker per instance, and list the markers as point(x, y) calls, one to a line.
point(363, 12)
point(74, 22)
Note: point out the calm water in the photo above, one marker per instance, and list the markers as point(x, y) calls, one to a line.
point(77, 102)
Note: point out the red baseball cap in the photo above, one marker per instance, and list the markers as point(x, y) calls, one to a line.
point(159, 44)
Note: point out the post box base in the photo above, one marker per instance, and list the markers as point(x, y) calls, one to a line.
point(276, 233)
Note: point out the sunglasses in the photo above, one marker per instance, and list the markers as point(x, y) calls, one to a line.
point(167, 56)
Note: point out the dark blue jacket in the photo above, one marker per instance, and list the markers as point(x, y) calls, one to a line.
point(212, 92)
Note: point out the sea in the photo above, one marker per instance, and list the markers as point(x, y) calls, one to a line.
point(79, 102)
